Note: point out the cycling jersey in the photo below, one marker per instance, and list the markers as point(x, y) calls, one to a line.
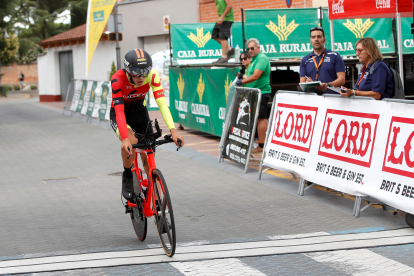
point(125, 93)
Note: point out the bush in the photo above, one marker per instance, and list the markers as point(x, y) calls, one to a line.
point(113, 70)
point(8, 88)
point(16, 87)
point(33, 87)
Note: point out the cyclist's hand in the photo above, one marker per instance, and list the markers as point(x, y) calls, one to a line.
point(175, 136)
point(126, 146)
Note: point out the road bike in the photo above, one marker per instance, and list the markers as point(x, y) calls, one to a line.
point(156, 200)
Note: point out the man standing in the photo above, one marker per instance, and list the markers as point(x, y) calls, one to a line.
point(21, 77)
point(258, 76)
point(221, 31)
point(322, 65)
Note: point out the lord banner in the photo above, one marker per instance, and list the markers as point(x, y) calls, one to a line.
point(198, 97)
point(358, 146)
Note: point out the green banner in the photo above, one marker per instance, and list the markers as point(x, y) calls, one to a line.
point(285, 33)
point(348, 31)
point(106, 100)
point(193, 41)
point(82, 95)
point(91, 100)
point(282, 33)
point(198, 97)
point(407, 37)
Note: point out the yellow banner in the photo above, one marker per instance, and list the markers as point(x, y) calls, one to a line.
point(98, 14)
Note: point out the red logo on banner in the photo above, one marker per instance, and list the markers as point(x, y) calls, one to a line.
point(294, 126)
point(349, 136)
point(399, 158)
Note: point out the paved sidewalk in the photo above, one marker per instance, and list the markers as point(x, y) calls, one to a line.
point(213, 203)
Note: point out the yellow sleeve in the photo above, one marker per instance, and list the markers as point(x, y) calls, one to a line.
point(165, 112)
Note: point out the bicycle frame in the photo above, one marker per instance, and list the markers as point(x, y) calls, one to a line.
point(151, 163)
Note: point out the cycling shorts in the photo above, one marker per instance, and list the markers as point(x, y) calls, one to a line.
point(137, 120)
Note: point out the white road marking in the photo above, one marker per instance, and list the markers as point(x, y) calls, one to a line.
point(227, 267)
point(286, 237)
point(212, 251)
point(361, 262)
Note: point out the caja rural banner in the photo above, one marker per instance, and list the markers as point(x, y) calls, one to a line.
point(285, 33)
point(98, 14)
point(193, 41)
point(198, 97)
point(282, 33)
point(358, 146)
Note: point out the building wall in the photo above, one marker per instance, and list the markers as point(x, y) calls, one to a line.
point(143, 22)
point(12, 74)
point(48, 66)
point(208, 10)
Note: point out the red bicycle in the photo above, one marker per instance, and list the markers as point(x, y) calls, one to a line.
point(156, 201)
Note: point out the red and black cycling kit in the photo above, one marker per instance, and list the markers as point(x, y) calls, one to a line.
point(128, 103)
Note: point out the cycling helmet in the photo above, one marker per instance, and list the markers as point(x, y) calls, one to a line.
point(138, 62)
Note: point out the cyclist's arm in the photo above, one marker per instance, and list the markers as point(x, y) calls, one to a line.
point(118, 101)
point(161, 101)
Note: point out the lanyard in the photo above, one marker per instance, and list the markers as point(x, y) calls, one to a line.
point(362, 76)
point(317, 66)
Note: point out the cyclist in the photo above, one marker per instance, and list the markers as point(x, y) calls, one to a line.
point(129, 113)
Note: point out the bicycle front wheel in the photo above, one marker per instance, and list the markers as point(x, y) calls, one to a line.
point(139, 221)
point(164, 220)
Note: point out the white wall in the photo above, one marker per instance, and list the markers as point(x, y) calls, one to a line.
point(156, 43)
point(48, 65)
point(144, 20)
point(319, 3)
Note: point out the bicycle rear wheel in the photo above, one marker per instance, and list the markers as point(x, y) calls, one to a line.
point(164, 220)
point(139, 221)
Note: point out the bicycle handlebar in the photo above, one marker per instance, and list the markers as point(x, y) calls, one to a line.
point(167, 139)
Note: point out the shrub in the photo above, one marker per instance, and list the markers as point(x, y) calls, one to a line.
point(113, 70)
point(33, 87)
point(16, 87)
point(8, 88)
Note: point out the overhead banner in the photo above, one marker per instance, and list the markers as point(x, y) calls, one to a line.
point(98, 14)
point(407, 37)
point(285, 33)
point(348, 31)
point(193, 41)
point(240, 130)
point(282, 33)
point(198, 97)
point(358, 146)
point(339, 9)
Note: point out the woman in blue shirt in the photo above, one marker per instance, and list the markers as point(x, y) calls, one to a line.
point(379, 85)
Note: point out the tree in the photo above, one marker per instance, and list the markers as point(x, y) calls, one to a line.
point(113, 70)
point(78, 12)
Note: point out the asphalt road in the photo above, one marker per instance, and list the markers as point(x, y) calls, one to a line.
point(59, 198)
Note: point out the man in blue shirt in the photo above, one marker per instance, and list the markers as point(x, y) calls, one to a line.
point(322, 65)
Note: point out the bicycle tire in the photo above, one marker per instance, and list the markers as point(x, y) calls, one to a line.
point(164, 220)
point(139, 221)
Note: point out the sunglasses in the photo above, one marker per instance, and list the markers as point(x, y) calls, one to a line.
point(245, 58)
point(359, 51)
point(135, 71)
point(251, 48)
point(316, 29)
